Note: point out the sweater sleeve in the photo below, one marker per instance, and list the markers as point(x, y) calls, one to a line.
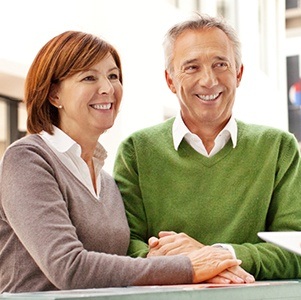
point(126, 176)
point(265, 260)
point(33, 206)
point(281, 209)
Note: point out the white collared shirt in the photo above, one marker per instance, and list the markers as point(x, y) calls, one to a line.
point(180, 132)
point(69, 152)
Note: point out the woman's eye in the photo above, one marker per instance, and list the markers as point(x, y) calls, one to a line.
point(114, 76)
point(89, 78)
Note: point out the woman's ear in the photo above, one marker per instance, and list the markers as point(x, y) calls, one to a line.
point(53, 96)
point(170, 82)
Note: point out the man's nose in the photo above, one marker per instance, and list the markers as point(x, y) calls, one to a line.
point(208, 78)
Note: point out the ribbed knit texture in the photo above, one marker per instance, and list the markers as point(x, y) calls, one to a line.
point(55, 235)
point(227, 198)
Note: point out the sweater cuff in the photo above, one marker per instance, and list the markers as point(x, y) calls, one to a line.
point(227, 247)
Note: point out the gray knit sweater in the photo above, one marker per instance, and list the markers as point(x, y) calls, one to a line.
point(55, 235)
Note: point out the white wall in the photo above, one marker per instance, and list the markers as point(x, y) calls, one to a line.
point(136, 28)
point(261, 98)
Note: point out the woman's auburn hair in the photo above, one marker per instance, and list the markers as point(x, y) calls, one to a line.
point(63, 56)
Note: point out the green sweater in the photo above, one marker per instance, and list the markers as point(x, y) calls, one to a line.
point(226, 198)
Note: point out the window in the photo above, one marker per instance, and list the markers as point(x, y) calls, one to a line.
point(12, 121)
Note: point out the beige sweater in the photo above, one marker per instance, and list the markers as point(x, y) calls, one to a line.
point(55, 235)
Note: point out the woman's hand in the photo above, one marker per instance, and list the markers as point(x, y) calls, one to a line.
point(209, 261)
point(213, 259)
point(234, 274)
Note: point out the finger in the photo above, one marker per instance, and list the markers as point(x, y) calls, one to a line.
point(164, 249)
point(231, 277)
point(228, 263)
point(166, 233)
point(153, 242)
point(241, 273)
point(171, 243)
point(153, 252)
point(168, 246)
point(211, 270)
point(219, 280)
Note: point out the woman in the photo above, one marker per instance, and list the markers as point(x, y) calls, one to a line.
point(63, 224)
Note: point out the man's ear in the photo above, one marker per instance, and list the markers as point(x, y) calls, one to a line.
point(239, 75)
point(53, 95)
point(170, 82)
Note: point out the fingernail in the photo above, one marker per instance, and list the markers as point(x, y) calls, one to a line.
point(250, 279)
point(239, 280)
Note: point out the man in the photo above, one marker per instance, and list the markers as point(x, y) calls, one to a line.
point(204, 173)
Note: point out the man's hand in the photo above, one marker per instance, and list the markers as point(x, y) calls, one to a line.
point(172, 243)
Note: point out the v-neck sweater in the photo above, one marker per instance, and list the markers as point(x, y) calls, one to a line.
point(54, 234)
point(226, 198)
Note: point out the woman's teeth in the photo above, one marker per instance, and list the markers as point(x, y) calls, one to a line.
point(102, 106)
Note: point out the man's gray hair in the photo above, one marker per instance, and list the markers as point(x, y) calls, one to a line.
point(198, 22)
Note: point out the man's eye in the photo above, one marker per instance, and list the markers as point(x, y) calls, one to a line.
point(191, 68)
point(221, 65)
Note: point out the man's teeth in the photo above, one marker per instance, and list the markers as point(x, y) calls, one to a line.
point(208, 97)
point(102, 106)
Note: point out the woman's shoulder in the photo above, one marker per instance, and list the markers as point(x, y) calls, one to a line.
point(30, 139)
point(26, 146)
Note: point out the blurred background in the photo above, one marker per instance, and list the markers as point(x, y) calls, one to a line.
point(270, 32)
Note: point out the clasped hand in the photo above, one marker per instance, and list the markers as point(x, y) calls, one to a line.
point(210, 264)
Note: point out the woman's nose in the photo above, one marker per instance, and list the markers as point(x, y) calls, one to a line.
point(105, 86)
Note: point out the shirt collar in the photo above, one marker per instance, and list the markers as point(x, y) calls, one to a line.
point(179, 130)
point(63, 143)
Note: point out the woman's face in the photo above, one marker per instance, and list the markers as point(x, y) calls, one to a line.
point(90, 100)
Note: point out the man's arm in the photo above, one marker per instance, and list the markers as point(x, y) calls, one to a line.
point(264, 260)
point(126, 176)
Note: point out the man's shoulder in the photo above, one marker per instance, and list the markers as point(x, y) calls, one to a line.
point(265, 134)
point(158, 135)
point(261, 129)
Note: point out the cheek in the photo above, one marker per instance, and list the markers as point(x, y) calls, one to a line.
point(118, 93)
point(186, 84)
point(180, 82)
point(190, 79)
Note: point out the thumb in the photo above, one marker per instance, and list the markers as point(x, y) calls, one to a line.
point(153, 242)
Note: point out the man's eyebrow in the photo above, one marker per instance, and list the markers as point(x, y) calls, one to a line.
point(222, 58)
point(196, 60)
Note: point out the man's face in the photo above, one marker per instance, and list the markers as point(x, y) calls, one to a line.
point(204, 77)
